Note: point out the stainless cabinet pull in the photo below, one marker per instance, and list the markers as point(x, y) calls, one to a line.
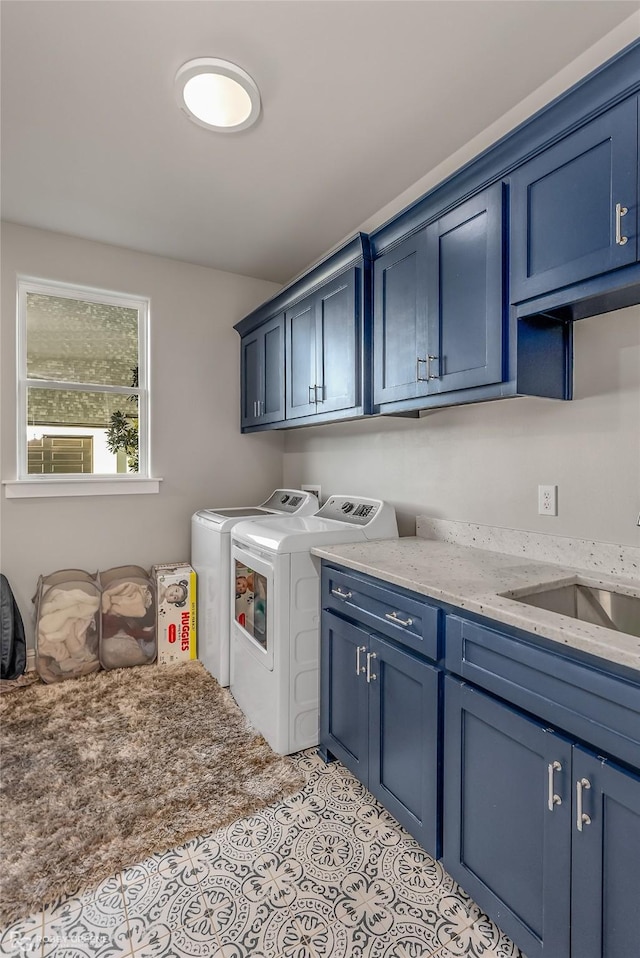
point(340, 594)
point(361, 648)
point(581, 817)
point(419, 378)
point(371, 676)
point(553, 799)
point(395, 618)
point(312, 394)
point(321, 390)
point(620, 212)
point(431, 359)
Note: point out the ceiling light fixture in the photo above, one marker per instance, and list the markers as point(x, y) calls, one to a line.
point(217, 95)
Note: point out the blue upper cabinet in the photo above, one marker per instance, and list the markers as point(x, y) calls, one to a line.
point(262, 374)
point(439, 308)
point(400, 321)
point(303, 352)
point(323, 337)
point(574, 207)
point(475, 287)
point(466, 308)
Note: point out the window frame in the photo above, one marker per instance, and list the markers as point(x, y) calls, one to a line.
point(38, 482)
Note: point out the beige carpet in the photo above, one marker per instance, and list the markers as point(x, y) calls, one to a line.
point(100, 771)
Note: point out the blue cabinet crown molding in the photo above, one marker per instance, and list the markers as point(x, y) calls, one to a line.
point(355, 251)
point(612, 82)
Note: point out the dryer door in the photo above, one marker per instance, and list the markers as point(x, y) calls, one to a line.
point(252, 604)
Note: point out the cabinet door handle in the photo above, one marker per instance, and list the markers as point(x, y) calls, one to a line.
point(371, 676)
point(431, 359)
point(255, 409)
point(552, 798)
point(312, 394)
point(419, 378)
point(395, 618)
point(321, 389)
point(340, 594)
point(361, 648)
point(620, 212)
point(581, 817)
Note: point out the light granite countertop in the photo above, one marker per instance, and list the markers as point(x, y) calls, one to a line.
point(475, 579)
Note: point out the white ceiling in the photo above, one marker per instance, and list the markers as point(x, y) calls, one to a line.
point(360, 99)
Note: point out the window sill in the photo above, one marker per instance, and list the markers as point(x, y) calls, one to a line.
point(82, 486)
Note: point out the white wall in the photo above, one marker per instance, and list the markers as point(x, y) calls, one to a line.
point(483, 462)
point(196, 444)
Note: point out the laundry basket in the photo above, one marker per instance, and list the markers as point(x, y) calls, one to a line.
point(67, 606)
point(128, 618)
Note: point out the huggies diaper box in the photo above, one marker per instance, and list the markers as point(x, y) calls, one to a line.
point(176, 612)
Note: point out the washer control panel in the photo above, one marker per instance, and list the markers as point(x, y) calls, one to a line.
point(291, 501)
point(358, 511)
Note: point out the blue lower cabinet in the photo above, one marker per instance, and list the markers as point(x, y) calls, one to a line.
point(542, 833)
point(504, 841)
point(606, 859)
point(403, 739)
point(344, 695)
point(379, 716)
point(507, 838)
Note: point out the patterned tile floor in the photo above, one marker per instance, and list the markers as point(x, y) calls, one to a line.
point(327, 873)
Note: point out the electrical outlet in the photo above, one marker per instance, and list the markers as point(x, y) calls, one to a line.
point(315, 488)
point(547, 500)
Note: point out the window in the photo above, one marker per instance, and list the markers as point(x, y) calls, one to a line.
point(82, 383)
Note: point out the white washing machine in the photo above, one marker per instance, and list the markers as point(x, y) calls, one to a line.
point(210, 557)
point(275, 631)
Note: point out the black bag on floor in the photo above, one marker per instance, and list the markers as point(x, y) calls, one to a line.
point(12, 640)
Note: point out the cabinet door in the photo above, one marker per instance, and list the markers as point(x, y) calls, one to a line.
point(403, 739)
point(400, 322)
point(466, 301)
point(343, 699)
point(337, 317)
point(251, 347)
point(563, 206)
point(504, 841)
point(271, 407)
point(301, 359)
point(262, 374)
point(606, 860)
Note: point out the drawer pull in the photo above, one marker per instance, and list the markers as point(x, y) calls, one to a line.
point(340, 594)
point(553, 799)
point(359, 669)
point(395, 618)
point(371, 676)
point(620, 212)
point(581, 817)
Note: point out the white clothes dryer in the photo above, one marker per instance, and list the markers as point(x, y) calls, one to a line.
point(275, 631)
point(210, 558)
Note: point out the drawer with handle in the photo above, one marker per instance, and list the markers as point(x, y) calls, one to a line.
point(587, 700)
point(399, 615)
